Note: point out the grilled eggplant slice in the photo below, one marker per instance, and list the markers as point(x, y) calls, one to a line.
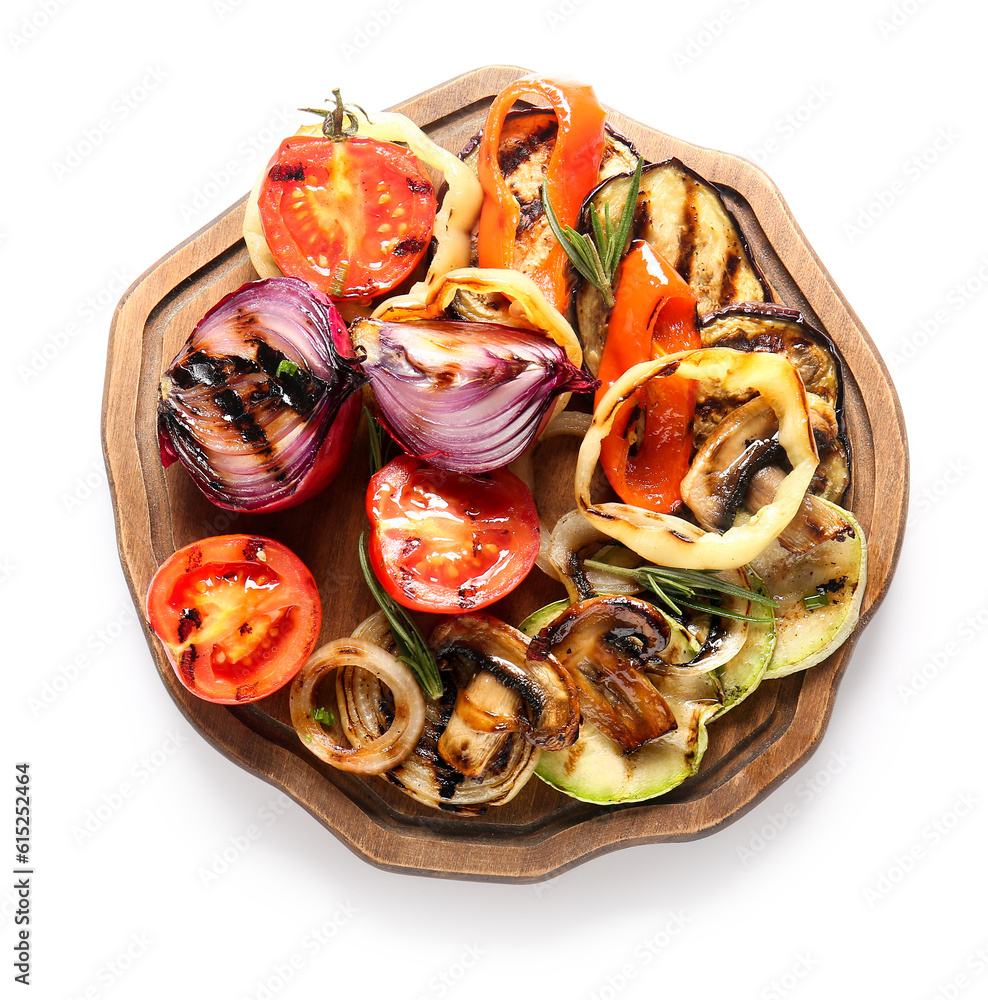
point(527, 141)
point(770, 327)
point(684, 219)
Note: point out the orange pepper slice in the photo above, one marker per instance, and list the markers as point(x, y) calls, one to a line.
point(647, 452)
point(570, 176)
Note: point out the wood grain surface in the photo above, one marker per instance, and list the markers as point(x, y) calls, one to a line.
point(541, 832)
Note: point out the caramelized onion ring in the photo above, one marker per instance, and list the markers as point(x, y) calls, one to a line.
point(396, 743)
point(662, 538)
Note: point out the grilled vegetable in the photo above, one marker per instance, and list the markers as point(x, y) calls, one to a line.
point(807, 632)
point(769, 327)
point(666, 540)
point(647, 452)
point(260, 403)
point(468, 397)
point(684, 219)
point(527, 141)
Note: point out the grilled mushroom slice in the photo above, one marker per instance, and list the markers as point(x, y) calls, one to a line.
point(483, 643)
point(736, 468)
point(607, 643)
point(774, 328)
point(366, 712)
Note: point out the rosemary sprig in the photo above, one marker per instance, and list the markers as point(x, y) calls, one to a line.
point(683, 588)
point(379, 443)
point(412, 648)
point(596, 255)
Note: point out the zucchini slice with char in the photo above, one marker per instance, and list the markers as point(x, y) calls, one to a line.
point(683, 218)
point(527, 141)
point(836, 570)
point(774, 328)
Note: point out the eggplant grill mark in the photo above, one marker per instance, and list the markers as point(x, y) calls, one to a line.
point(687, 235)
point(519, 152)
point(189, 621)
point(186, 665)
point(407, 246)
point(418, 186)
point(287, 172)
point(731, 268)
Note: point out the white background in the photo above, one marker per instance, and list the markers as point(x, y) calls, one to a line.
point(128, 126)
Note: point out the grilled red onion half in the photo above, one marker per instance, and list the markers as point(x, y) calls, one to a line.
point(467, 397)
point(259, 404)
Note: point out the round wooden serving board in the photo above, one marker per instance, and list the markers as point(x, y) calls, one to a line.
point(541, 832)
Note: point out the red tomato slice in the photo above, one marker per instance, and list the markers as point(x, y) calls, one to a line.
point(238, 616)
point(443, 541)
point(361, 206)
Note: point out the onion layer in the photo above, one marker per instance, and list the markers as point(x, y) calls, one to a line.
point(467, 397)
point(259, 404)
point(387, 749)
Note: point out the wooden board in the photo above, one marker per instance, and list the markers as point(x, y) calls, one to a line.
point(541, 832)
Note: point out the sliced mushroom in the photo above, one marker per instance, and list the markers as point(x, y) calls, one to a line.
point(552, 715)
point(607, 643)
point(736, 469)
point(486, 712)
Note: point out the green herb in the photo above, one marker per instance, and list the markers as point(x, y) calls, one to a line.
point(683, 588)
point(815, 599)
point(286, 369)
point(412, 648)
point(379, 443)
point(323, 715)
point(596, 256)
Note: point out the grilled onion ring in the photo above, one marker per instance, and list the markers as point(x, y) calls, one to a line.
point(389, 749)
point(662, 538)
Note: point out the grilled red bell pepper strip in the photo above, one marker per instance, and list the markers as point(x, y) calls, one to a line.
point(570, 176)
point(647, 452)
